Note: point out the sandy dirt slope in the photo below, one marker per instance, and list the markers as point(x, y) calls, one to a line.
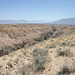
point(14, 37)
point(61, 61)
point(10, 34)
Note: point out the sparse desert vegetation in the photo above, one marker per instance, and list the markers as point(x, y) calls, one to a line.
point(40, 58)
point(64, 52)
point(37, 50)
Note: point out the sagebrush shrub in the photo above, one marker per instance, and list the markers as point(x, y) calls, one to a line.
point(40, 57)
point(67, 69)
point(23, 70)
point(64, 52)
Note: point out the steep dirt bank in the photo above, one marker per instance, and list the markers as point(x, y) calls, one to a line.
point(14, 37)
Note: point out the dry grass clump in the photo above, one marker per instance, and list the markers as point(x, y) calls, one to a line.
point(23, 70)
point(72, 67)
point(40, 58)
point(1, 66)
point(8, 73)
point(10, 64)
point(64, 71)
point(67, 43)
point(67, 69)
point(1, 73)
point(64, 52)
point(50, 46)
point(64, 44)
point(5, 73)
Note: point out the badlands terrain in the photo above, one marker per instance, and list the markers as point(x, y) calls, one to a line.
point(40, 49)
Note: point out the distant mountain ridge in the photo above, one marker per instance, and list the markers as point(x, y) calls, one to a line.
point(13, 21)
point(68, 21)
point(22, 22)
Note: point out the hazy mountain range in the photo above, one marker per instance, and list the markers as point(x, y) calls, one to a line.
point(68, 21)
point(21, 21)
point(13, 21)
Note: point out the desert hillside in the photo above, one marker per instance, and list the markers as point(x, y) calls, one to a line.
point(37, 50)
point(14, 37)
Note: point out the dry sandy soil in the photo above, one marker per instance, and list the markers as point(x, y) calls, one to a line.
point(22, 47)
point(14, 37)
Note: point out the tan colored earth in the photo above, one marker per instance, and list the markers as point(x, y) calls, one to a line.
point(17, 61)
